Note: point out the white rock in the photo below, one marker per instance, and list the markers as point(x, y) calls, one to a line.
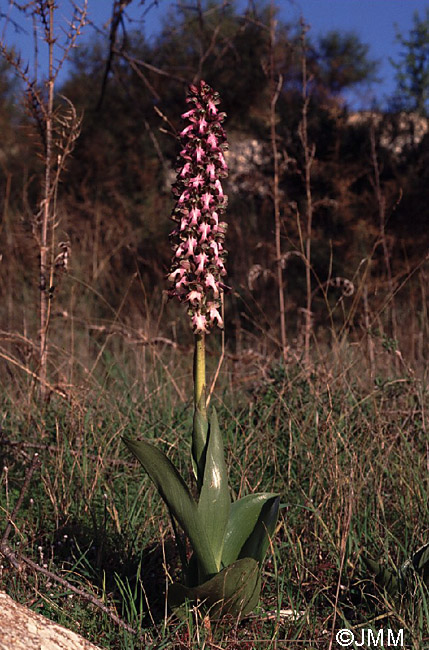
point(23, 629)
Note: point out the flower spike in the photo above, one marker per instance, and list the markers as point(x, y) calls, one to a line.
point(198, 240)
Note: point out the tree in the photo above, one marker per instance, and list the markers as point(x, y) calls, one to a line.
point(412, 68)
point(343, 61)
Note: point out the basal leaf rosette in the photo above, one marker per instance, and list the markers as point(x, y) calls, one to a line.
point(198, 239)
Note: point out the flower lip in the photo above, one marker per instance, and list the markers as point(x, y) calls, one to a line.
point(210, 282)
point(199, 153)
point(199, 322)
point(194, 297)
point(195, 213)
point(206, 198)
point(201, 260)
point(185, 169)
point(190, 245)
point(204, 230)
point(212, 141)
point(197, 181)
point(187, 129)
point(215, 316)
point(211, 171)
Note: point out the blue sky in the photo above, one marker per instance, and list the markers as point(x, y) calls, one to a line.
point(373, 21)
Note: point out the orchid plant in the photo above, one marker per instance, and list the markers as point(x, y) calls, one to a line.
point(228, 539)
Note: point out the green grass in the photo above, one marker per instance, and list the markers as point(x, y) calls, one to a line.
point(349, 456)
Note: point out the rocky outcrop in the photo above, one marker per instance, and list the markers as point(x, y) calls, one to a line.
point(23, 629)
point(397, 131)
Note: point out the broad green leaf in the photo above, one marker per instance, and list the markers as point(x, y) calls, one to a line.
point(176, 495)
point(257, 543)
point(199, 443)
point(235, 590)
point(385, 578)
point(419, 563)
point(244, 518)
point(214, 503)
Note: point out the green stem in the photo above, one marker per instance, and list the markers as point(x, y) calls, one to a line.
point(200, 374)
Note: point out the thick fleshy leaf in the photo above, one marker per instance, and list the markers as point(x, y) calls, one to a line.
point(176, 495)
point(214, 503)
point(246, 516)
point(385, 578)
point(401, 582)
point(257, 543)
point(418, 563)
point(235, 590)
point(199, 443)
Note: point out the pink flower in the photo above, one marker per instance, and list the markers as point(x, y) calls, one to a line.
point(220, 266)
point(199, 322)
point(187, 130)
point(194, 297)
point(195, 213)
point(184, 196)
point(212, 141)
point(222, 160)
point(188, 114)
point(202, 125)
point(198, 238)
point(185, 154)
point(206, 199)
point(201, 260)
point(180, 250)
point(204, 229)
point(214, 246)
point(215, 316)
point(181, 285)
point(214, 215)
point(211, 171)
point(218, 186)
point(197, 181)
point(212, 107)
point(185, 169)
point(199, 153)
point(210, 282)
point(190, 245)
point(177, 272)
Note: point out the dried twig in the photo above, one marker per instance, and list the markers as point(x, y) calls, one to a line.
point(18, 563)
point(275, 92)
point(309, 153)
point(119, 7)
point(381, 203)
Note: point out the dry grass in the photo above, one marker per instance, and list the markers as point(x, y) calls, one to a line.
point(347, 452)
